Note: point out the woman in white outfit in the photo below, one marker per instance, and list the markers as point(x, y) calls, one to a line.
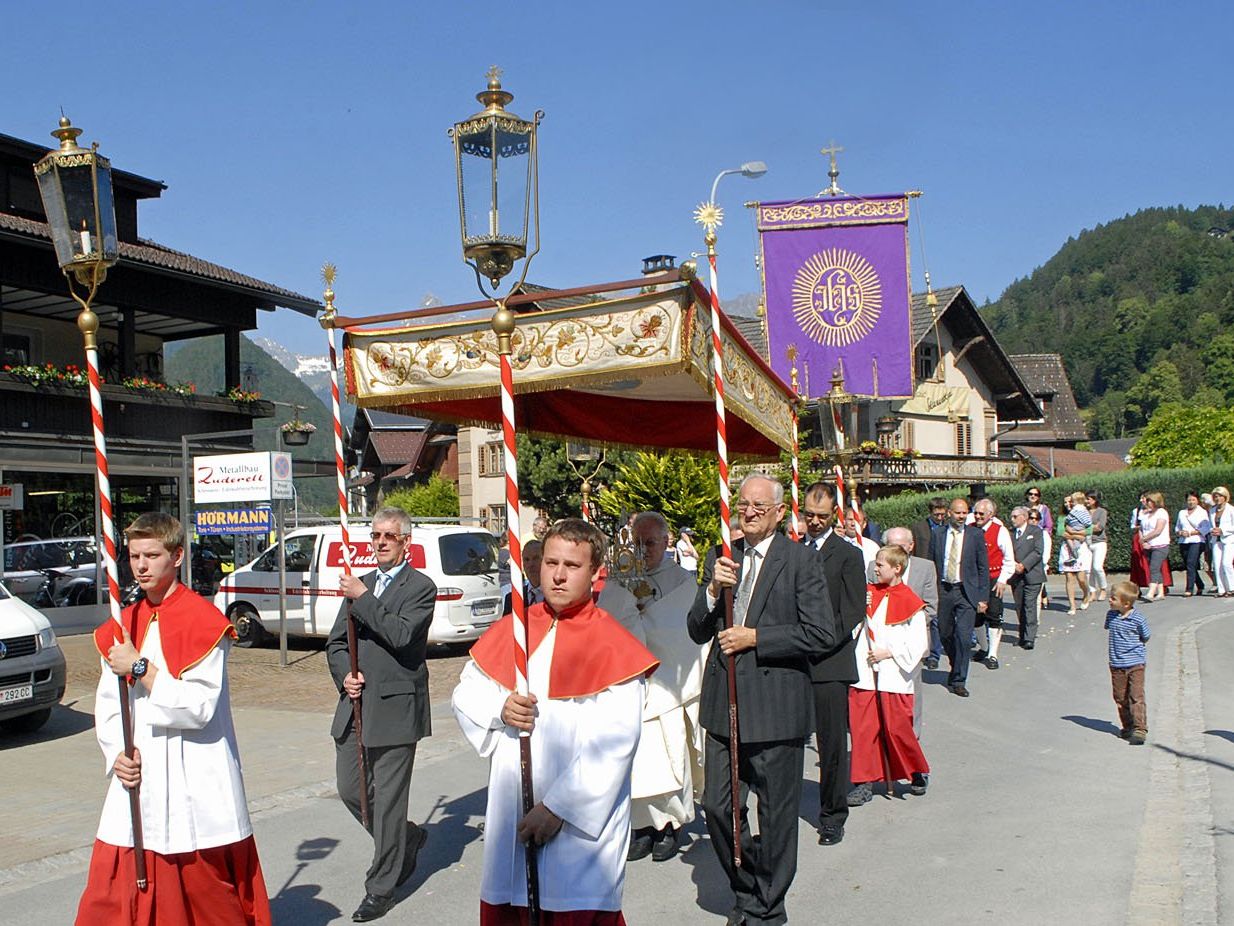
point(1222, 517)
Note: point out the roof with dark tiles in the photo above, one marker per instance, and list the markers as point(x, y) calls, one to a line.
point(154, 255)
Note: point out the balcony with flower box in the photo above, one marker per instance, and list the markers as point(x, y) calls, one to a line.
point(50, 401)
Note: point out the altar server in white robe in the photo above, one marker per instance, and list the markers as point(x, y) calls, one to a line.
point(668, 767)
point(587, 684)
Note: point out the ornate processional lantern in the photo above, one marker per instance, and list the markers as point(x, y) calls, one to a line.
point(75, 184)
point(496, 163)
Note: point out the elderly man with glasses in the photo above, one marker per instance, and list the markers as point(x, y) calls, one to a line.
point(392, 607)
point(782, 617)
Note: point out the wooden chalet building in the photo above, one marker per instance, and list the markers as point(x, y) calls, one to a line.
point(153, 296)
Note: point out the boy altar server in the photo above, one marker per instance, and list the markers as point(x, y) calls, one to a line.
point(890, 645)
point(586, 676)
point(200, 856)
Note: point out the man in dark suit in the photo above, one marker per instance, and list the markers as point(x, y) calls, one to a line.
point(959, 555)
point(1029, 575)
point(392, 607)
point(923, 536)
point(834, 671)
point(781, 617)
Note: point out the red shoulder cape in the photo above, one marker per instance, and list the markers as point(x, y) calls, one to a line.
point(189, 628)
point(592, 651)
point(902, 602)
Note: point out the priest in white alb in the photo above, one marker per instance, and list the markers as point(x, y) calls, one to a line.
point(668, 767)
point(586, 676)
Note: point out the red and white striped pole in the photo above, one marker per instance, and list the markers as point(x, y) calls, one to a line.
point(327, 322)
point(88, 325)
point(503, 327)
point(798, 529)
point(726, 544)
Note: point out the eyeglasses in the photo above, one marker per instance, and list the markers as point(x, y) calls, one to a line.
point(755, 507)
point(386, 535)
point(1033, 494)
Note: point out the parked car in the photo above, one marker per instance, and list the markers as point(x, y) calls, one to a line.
point(462, 561)
point(32, 668)
point(27, 566)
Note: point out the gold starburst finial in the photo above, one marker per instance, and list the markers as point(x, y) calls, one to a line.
point(328, 273)
point(493, 74)
point(709, 215)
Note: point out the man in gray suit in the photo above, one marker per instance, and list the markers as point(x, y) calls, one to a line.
point(781, 617)
point(392, 607)
point(922, 578)
point(1026, 581)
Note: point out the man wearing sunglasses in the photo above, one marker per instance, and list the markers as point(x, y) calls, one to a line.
point(392, 607)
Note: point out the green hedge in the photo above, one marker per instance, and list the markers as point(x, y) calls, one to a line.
point(1119, 494)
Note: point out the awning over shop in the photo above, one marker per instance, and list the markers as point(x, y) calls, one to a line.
point(630, 371)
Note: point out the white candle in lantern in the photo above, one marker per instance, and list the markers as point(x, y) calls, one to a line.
point(492, 222)
point(86, 244)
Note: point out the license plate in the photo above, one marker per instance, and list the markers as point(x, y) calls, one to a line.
point(484, 608)
point(21, 693)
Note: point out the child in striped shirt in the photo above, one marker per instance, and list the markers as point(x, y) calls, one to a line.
point(1128, 634)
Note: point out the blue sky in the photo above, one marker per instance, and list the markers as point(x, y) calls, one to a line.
point(291, 134)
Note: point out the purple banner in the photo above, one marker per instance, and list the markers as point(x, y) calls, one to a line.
point(835, 275)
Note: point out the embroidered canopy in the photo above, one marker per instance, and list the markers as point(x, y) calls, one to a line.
point(633, 370)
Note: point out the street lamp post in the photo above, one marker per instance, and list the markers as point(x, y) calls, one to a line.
point(496, 164)
point(75, 186)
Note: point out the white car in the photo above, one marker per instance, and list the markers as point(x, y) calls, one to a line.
point(32, 668)
point(461, 561)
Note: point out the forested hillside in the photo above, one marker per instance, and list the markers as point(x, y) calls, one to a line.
point(201, 362)
point(1141, 310)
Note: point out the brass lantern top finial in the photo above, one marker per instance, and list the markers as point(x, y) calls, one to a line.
point(493, 97)
point(68, 136)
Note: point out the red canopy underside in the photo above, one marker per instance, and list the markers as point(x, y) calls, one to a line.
point(604, 419)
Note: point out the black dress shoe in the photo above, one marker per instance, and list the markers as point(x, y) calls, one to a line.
point(417, 836)
point(1027, 644)
point(980, 655)
point(372, 907)
point(830, 834)
point(919, 785)
point(640, 844)
point(664, 844)
point(991, 662)
point(931, 663)
point(959, 690)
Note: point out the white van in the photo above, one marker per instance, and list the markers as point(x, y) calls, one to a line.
point(462, 561)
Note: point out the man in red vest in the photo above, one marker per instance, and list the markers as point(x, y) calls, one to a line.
point(1001, 554)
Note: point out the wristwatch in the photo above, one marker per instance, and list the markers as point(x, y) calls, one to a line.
point(140, 667)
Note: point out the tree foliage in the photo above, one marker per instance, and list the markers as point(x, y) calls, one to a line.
point(1186, 435)
point(437, 498)
point(682, 488)
point(1122, 298)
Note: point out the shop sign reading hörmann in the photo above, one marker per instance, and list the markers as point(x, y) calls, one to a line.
point(241, 477)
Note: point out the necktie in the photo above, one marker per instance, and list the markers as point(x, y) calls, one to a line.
point(383, 580)
point(953, 556)
point(745, 589)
